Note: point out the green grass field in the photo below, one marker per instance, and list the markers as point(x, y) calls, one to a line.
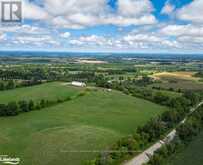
point(168, 93)
point(47, 91)
point(192, 155)
point(60, 134)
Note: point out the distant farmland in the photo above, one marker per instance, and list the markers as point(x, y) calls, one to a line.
point(60, 134)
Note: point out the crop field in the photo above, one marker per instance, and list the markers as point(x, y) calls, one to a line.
point(178, 80)
point(192, 154)
point(175, 75)
point(47, 91)
point(67, 132)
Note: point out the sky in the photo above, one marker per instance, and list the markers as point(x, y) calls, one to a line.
point(147, 26)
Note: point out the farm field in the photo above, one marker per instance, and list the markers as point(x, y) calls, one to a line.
point(47, 91)
point(178, 80)
point(175, 75)
point(192, 154)
point(60, 134)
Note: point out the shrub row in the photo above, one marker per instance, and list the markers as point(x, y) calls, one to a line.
point(15, 108)
point(11, 84)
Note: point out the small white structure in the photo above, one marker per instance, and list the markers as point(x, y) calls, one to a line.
point(78, 84)
point(109, 90)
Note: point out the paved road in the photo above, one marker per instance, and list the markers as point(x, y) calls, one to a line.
point(144, 157)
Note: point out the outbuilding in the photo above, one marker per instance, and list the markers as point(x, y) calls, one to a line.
point(78, 84)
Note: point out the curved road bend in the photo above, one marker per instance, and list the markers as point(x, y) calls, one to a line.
point(144, 157)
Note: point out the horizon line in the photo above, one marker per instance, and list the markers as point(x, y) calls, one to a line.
point(100, 52)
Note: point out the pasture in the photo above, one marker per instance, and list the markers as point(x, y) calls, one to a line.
point(175, 75)
point(71, 132)
point(48, 91)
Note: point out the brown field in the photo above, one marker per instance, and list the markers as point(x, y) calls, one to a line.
point(178, 80)
point(175, 75)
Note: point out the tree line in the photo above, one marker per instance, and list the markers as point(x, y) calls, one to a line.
point(38, 73)
point(199, 74)
point(11, 84)
point(48, 74)
point(14, 108)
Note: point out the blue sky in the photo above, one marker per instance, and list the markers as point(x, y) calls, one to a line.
point(107, 25)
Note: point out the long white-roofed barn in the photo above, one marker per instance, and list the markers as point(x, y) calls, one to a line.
point(78, 84)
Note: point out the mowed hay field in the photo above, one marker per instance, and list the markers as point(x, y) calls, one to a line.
point(176, 75)
point(178, 80)
point(192, 155)
point(66, 133)
point(48, 91)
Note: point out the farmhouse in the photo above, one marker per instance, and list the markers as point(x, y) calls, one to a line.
point(78, 84)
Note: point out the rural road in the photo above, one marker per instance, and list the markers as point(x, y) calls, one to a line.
point(144, 157)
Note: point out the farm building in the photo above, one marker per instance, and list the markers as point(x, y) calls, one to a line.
point(78, 84)
point(109, 90)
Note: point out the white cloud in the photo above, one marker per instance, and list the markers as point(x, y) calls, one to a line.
point(172, 44)
point(71, 7)
point(2, 36)
point(76, 42)
point(126, 21)
point(25, 28)
point(34, 12)
point(30, 39)
point(191, 39)
point(182, 30)
point(65, 35)
point(149, 40)
point(128, 41)
point(134, 8)
point(76, 14)
point(187, 36)
point(85, 13)
point(142, 37)
point(168, 8)
point(36, 40)
point(92, 40)
point(192, 12)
